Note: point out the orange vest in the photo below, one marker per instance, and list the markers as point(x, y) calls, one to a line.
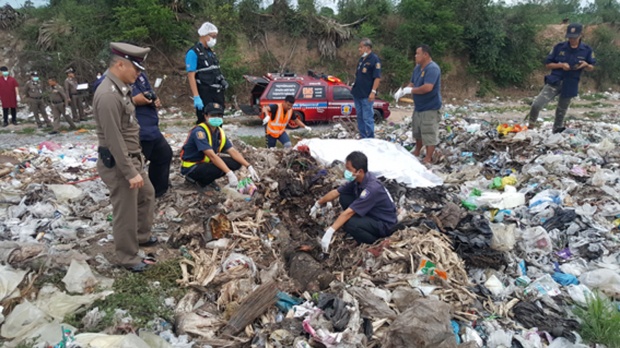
point(277, 126)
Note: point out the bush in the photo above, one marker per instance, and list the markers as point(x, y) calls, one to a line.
point(600, 322)
point(606, 51)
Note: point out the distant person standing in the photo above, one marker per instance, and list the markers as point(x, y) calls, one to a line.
point(206, 80)
point(566, 61)
point(364, 90)
point(34, 93)
point(60, 101)
point(9, 96)
point(155, 148)
point(71, 83)
point(426, 91)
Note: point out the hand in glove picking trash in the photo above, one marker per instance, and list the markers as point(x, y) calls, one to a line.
point(253, 174)
point(232, 179)
point(317, 209)
point(309, 129)
point(265, 120)
point(198, 103)
point(327, 239)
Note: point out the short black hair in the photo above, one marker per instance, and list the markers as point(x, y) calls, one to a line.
point(52, 78)
point(4, 68)
point(290, 99)
point(358, 161)
point(425, 49)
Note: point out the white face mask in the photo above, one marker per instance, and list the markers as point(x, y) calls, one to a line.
point(212, 42)
point(364, 54)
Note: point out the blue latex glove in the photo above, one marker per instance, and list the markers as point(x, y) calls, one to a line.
point(565, 279)
point(198, 103)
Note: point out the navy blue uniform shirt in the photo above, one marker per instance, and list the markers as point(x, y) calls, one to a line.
point(146, 114)
point(198, 142)
point(372, 200)
point(368, 69)
point(431, 74)
point(563, 53)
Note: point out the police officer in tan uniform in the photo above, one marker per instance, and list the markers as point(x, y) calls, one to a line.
point(121, 164)
point(76, 99)
point(59, 101)
point(34, 92)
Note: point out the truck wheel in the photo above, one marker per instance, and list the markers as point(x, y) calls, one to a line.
point(378, 115)
point(300, 116)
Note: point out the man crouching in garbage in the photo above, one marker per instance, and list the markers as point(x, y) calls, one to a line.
point(368, 213)
point(200, 155)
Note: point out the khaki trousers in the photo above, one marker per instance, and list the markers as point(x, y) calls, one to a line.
point(132, 211)
point(76, 106)
point(37, 106)
point(57, 110)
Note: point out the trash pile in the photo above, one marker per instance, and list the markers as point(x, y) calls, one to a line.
point(523, 230)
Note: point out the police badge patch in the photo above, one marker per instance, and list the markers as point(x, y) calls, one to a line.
point(364, 194)
point(200, 135)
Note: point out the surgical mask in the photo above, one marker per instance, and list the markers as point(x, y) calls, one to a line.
point(5, 73)
point(35, 79)
point(212, 42)
point(364, 54)
point(215, 121)
point(348, 176)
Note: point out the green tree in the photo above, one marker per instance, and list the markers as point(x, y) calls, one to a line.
point(327, 12)
point(306, 6)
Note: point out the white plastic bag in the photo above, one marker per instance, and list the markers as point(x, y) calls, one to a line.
point(579, 293)
point(65, 193)
point(9, 281)
point(503, 237)
point(605, 280)
point(236, 259)
point(536, 240)
point(500, 339)
point(24, 318)
point(79, 277)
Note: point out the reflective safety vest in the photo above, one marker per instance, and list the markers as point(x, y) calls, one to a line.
point(277, 126)
point(187, 164)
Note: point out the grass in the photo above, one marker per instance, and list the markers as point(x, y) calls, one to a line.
point(600, 321)
point(141, 295)
point(593, 96)
point(500, 110)
point(593, 114)
point(596, 104)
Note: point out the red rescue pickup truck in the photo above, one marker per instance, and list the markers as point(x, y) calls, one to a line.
point(318, 98)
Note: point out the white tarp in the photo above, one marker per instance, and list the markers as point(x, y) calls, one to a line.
point(386, 159)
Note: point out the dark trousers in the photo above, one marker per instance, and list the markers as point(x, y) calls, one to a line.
point(363, 229)
point(5, 112)
point(208, 95)
point(159, 155)
point(206, 173)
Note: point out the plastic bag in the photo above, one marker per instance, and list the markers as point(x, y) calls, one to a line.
point(499, 338)
point(65, 193)
point(494, 285)
point(536, 240)
point(605, 280)
point(562, 342)
point(79, 277)
point(503, 237)
point(236, 259)
point(9, 281)
point(58, 304)
point(544, 285)
point(545, 198)
point(24, 318)
point(579, 293)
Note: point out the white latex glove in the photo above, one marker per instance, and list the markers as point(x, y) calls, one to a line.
point(315, 209)
point(309, 129)
point(253, 174)
point(327, 239)
point(232, 179)
point(265, 120)
point(19, 99)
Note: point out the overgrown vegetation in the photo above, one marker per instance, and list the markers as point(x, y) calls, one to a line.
point(497, 39)
point(600, 321)
point(141, 295)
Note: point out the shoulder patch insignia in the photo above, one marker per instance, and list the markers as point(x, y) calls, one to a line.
point(364, 193)
point(200, 135)
point(216, 105)
point(593, 55)
point(378, 66)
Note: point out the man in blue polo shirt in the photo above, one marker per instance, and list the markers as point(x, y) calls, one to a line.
point(368, 213)
point(154, 145)
point(426, 91)
point(566, 61)
point(201, 159)
point(364, 90)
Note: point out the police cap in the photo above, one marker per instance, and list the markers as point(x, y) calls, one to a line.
point(214, 109)
point(135, 54)
point(574, 30)
point(34, 73)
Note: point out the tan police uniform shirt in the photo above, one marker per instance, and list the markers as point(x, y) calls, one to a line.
point(71, 86)
point(117, 126)
point(58, 95)
point(34, 90)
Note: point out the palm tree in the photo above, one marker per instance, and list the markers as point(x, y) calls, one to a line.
point(51, 32)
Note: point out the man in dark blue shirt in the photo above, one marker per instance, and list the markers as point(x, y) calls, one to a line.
point(200, 155)
point(426, 91)
point(566, 61)
point(154, 145)
point(364, 90)
point(368, 213)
